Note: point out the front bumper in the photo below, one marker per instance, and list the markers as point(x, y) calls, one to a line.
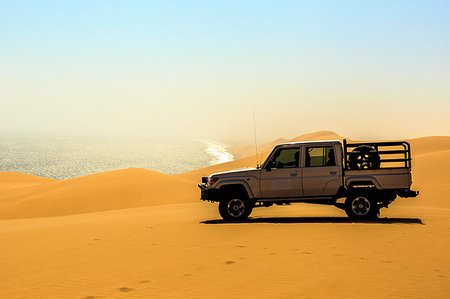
point(209, 194)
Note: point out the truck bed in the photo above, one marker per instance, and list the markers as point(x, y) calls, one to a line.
point(383, 178)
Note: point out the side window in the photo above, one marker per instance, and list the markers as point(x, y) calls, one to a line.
point(320, 156)
point(285, 158)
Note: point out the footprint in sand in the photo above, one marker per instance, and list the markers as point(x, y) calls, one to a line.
point(144, 281)
point(241, 246)
point(187, 274)
point(230, 262)
point(125, 289)
point(306, 252)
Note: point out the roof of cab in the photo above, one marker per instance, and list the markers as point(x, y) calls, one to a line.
point(311, 142)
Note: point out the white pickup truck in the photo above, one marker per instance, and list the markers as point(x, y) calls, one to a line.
point(367, 175)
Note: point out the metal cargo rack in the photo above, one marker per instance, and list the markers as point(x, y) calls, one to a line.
point(406, 152)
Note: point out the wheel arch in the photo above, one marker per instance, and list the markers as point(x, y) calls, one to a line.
point(235, 185)
point(362, 182)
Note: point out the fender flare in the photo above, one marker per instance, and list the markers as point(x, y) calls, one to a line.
point(223, 183)
point(364, 180)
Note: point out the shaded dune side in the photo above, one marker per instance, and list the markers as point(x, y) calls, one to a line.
point(432, 178)
point(127, 188)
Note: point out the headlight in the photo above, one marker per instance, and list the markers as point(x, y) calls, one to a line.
point(212, 181)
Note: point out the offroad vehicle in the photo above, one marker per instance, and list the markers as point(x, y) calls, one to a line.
point(359, 178)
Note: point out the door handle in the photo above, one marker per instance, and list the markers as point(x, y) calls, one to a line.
point(333, 172)
point(294, 174)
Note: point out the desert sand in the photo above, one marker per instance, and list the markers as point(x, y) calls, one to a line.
point(136, 233)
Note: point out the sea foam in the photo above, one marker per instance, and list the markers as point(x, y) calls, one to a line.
point(218, 152)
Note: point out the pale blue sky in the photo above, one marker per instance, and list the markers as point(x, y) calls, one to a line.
point(196, 69)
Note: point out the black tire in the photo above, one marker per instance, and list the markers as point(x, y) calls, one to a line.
point(361, 205)
point(364, 157)
point(235, 207)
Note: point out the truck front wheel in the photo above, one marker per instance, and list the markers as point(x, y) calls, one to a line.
point(235, 208)
point(361, 206)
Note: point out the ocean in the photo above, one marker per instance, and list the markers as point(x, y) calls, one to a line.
point(68, 157)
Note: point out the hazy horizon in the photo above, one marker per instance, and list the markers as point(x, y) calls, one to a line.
point(197, 70)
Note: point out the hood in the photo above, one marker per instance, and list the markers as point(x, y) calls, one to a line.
point(235, 171)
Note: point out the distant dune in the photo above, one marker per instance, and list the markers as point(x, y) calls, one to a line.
point(245, 151)
point(141, 234)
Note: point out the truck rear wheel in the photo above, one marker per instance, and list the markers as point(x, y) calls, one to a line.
point(361, 206)
point(235, 208)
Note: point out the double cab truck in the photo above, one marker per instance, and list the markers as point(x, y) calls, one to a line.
point(360, 178)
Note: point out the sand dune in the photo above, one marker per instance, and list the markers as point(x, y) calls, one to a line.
point(127, 188)
point(15, 180)
point(320, 135)
point(139, 234)
point(432, 178)
point(426, 145)
point(246, 151)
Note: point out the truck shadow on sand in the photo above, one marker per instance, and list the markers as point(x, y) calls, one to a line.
point(319, 220)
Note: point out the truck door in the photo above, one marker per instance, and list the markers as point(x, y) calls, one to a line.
point(320, 172)
point(280, 177)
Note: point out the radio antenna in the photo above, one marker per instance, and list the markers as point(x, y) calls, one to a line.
point(254, 133)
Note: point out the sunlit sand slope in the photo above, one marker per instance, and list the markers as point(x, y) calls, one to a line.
point(15, 180)
point(120, 189)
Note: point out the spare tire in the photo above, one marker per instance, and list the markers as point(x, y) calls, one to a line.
point(364, 157)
